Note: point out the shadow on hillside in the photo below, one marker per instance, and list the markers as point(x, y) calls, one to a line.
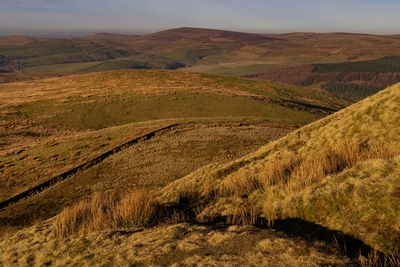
point(350, 245)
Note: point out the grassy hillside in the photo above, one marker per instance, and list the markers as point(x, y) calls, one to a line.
point(51, 125)
point(338, 175)
point(339, 172)
point(330, 182)
point(151, 163)
point(115, 98)
point(49, 55)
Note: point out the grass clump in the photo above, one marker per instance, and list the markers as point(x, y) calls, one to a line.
point(109, 211)
point(299, 171)
point(376, 259)
point(120, 210)
point(292, 171)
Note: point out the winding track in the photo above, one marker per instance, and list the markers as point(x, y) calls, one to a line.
point(95, 161)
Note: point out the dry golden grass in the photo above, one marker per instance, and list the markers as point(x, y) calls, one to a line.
point(296, 167)
point(297, 171)
point(109, 211)
point(241, 184)
point(120, 210)
point(244, 214)
point(376, 259)
point(294, 172)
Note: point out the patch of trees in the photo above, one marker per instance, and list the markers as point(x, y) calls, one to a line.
point(7, 65)
point(351, 80)
point(351, 91)
point(386, 64)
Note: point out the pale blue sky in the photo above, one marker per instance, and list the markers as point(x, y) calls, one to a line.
point(132, 16)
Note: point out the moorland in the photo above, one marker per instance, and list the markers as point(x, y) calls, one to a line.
point(200, 147)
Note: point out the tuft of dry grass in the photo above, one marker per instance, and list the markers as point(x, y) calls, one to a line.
point(244, 215)
point(299, 171)
point(278, 170)
point(293, 171)
point(241, 184)
point(109, 211)
point(118, 210)
point(376, 259)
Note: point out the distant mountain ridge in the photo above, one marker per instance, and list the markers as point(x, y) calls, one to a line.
point(207, 51)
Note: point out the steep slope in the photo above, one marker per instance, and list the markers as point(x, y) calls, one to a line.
point(339, 172)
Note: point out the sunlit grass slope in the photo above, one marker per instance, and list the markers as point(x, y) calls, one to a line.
point(340, 172)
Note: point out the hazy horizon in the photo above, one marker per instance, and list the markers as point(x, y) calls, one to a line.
point(75, 18)
point(79, 34)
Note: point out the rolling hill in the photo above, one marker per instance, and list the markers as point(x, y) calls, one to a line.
point(55, 125)
point(314, 60)
point(198, 50)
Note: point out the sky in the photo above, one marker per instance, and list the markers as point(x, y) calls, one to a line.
point(82, 17)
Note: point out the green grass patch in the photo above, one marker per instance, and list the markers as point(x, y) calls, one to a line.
point(242, 70)
point(99, 114)
point(63, 68)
